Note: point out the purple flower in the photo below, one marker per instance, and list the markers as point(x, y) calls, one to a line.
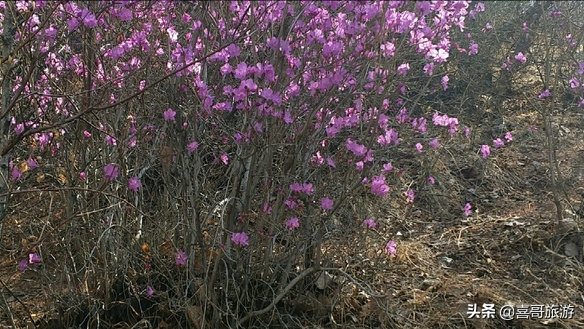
point(388, 49)
point(233, 50)
point(134, 184)
point(473, 49)
point(23, 265)
point(420, 124)
point(431, 180)
point(378, 186)
point(370, 223)
point(34, 258)
point(439, 55)
point(226, 69)
point(410, 196)
point(452, 126)
point(32, 164)
point(72, 24)
point(498, 143)
point(266, 208)
point(16, 174)
point(390, 248)
point(125, 14)
point(224, 158)
point(89, 19)
point(240, 239)
point(326, 203)
point(402, 116)
point(249, 85)
point(169, 115)
point(111, 172)
point(508, 136)
point(544, 94)
point(419, 147)
point(556, 14)
point(444, 82)
point(192, 146)
point(149, 291)
point(291, 203)
point(296, 187)
point(109, 140)
point(403, 69)
point(306, 188)
point(288, 118)
point(520, 57)
point(357, 149)
point(241, 71)
point(223, 106)
point(485, 151)
point(391, 136)
point(292, 223)
point(331, 162)
point(434, 143)
point(429, 68)
point(467, 209)
point(181, 258)
point(19, 128)
point(440, 119)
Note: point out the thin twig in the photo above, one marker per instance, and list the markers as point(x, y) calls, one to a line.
point(18, 300)
point(278, 298)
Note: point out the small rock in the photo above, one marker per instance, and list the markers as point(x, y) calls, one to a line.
point(571, 249)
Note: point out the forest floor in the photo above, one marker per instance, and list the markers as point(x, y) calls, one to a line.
point(511, 251)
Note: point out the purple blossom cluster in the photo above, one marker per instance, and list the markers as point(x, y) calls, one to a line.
point(239, 92)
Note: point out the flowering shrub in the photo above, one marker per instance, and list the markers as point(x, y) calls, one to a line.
point(223, 127)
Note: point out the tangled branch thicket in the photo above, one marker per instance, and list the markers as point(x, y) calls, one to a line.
point(216, 154)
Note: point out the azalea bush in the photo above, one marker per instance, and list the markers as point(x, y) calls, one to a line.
point(206, 151)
